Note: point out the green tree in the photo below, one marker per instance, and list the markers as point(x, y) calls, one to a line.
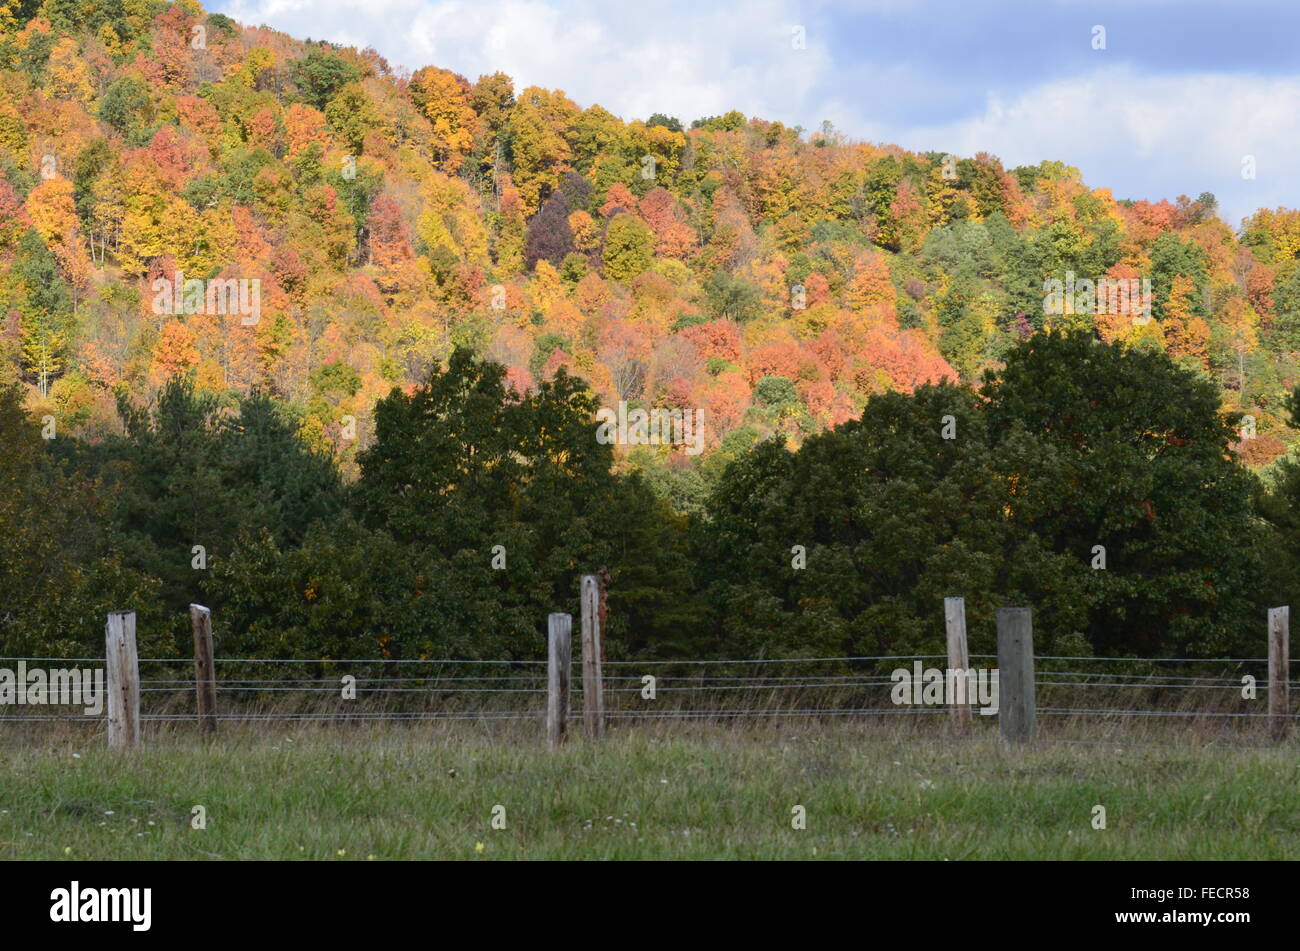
point(352, 116)
point(45, 310)
point(629, 248)
point(192, 472)
point(463, 464)
point(727, 297)
point(1075, 444)
point(1133, 455)
point(126, 106)
point(1173, 257)
point(961, 339)
point(59, 572)
point(776, 392)
point(321, 74)
point(891, 517)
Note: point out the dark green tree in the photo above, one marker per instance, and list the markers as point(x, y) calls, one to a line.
point(731, 298)
point(1133, 455)
point(60, 573)
point(1172, 257)
point(464, 464)
point(849, 546)
point(126, 106)
point(321, 74)
point(192, 472)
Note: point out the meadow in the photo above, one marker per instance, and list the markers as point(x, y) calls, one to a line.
point(870, 790)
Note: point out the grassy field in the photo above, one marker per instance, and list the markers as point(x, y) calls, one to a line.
point(685, 791)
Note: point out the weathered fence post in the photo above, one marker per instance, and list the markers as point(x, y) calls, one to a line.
point(1279, 671)
point(593, 687)
point(1016, 706)
point(558, 658)
point(205, 677)
point(123, 680)
point(954, 617)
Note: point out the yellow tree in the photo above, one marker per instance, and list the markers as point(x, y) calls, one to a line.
point(776, 175)
point(444, 99)
point(154, 222)
point(51, 210)
point(1241, 323)
point(13, 131)
point(1278, 228)
point(451, 219)
point(586, 233)
point(108, 207)
point(541, 125)
point(1187, 335)
point(214, 240)
point(657, 151)
point(108, 36)
point(69, 76)
point(940, 193)
point(509, 246)
point(353, 116)
point(52, 213)
point(9, 14)
point(546, 290)
point(245, 72)
point(491, 98)
point(42, 346)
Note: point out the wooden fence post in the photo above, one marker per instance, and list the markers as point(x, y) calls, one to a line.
point(123, 680)
point(205, 677)
point(559, 656)
point(1016, 705)
point(954, 617)
point(1279, 671)
point(593, 686)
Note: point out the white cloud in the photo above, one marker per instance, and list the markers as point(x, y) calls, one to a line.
point(1143, 136)
point(681, 58)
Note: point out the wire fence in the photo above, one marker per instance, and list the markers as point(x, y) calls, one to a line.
point(1225, 691)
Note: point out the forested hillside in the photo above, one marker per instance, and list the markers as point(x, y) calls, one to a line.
point(432, 282)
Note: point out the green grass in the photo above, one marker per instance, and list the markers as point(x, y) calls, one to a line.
point(677, 792)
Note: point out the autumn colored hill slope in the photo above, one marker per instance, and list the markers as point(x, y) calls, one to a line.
point(321, 345)
point(772, 277)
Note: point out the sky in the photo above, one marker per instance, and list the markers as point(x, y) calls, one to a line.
point(1149, 98)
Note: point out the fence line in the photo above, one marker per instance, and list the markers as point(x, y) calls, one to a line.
point(549, 680)
point(697, 689)
point(643, 663)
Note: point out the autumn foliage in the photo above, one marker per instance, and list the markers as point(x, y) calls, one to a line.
point(391, 217)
